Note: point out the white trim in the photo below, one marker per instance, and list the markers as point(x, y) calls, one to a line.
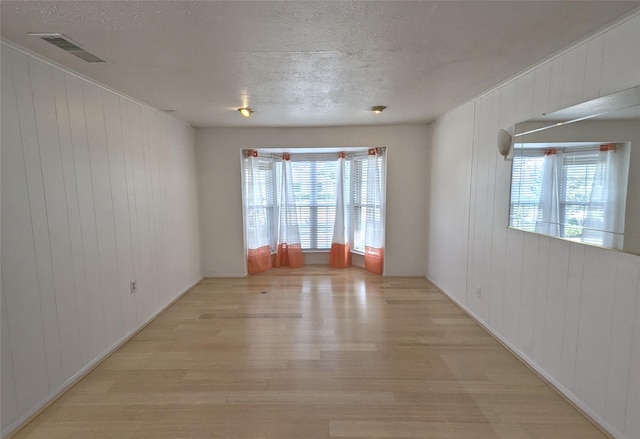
point(79, 75)
point(21, 422)
point(402, 275)
point(314, 154)
point(245, 250)
point(594, 417)
point(224, 276)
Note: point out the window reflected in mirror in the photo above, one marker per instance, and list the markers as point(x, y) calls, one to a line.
point(577, 192)
point(576, 173)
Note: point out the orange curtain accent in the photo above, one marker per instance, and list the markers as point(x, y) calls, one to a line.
point(608, 147)
point(259, 259)
point(288, 255)
point(550, 151)
point(340, 256)
point(373, 258)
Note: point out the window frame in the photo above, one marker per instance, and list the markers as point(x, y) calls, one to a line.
point(562, 177)
point(313, 207)
point(352, 157)
point(563, 184)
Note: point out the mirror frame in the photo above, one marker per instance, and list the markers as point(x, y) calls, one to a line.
point(595, 109)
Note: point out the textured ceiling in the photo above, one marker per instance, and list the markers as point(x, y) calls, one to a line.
point(305, 63)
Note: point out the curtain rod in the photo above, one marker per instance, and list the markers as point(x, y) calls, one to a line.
point(314, 155)
point(565, 150)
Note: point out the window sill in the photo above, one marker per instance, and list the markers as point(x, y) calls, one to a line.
point(356, 252)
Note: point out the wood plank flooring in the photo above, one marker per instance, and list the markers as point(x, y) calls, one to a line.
point(312, 353)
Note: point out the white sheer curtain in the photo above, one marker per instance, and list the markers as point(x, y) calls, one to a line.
point(548, 221)
point(289, 247)
point(374, 232)
point(340, 256)
point(256, 216)
point(604, 219)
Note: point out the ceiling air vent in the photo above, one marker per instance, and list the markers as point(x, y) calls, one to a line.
point(68, 45)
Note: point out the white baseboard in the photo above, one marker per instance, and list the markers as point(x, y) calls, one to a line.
point(225, 276)
point(245, 275)
point(16, 426)
point(594, 417)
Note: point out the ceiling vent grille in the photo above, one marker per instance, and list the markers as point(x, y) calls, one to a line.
point(68, 45)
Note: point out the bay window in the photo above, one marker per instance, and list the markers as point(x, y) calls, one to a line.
point(314, 187)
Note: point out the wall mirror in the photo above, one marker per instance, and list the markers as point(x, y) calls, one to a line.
point(576, 173)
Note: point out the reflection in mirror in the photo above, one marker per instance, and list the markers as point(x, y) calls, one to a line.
point(576, 173)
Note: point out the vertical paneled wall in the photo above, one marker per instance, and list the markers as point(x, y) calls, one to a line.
point(572, 311)
point(97, 190)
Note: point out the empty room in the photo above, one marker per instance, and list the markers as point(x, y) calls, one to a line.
point(320, 219)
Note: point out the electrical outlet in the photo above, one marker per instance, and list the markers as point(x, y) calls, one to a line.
point(478, 291)
point(133, 286)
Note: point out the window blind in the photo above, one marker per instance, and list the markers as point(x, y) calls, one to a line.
point(314, 187)
point(575, 185)
point(263, 213)
point(526, 187)
point(361, 204)
point(575, 182)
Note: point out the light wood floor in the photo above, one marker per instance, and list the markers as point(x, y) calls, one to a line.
point(312, 353)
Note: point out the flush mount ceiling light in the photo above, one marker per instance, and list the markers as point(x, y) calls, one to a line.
point(245, 111)
point(378, 108)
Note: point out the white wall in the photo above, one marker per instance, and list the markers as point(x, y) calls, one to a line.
point(96, 190)
point(219, 185)
point(570, 310)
